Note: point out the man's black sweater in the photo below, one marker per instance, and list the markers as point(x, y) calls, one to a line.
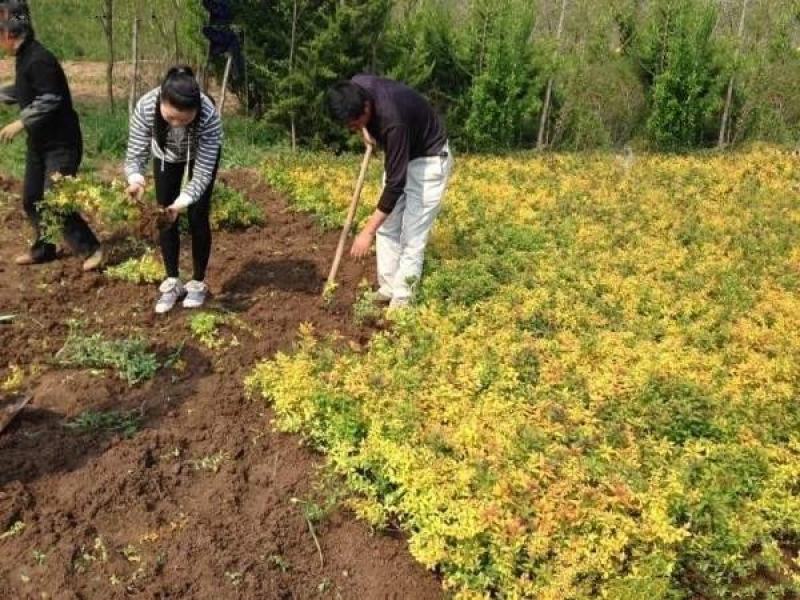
point(405, 126)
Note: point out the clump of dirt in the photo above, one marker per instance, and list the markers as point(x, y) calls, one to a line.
point(196, 500)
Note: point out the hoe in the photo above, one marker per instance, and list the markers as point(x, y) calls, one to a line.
point(330, 286)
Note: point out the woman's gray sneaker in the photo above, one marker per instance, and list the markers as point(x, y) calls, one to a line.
point(171, 290)
point(196, 292)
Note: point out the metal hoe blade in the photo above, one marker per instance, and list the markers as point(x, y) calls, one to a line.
point(11, 410)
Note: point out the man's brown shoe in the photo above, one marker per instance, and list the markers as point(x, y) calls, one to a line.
point(94, 261)
point(25, 259)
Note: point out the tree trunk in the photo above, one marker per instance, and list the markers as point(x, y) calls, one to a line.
point(107, 20)
point(134, 65)
point(291, 73)
point(483, 42)
point(177, 41)
point(541, 139)
point(724, 132)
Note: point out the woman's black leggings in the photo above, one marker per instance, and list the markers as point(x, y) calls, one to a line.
point(168, 178)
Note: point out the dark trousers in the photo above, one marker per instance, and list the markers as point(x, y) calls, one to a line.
point(40, 166)
point(168, 178)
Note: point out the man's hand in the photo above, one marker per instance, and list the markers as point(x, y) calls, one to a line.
point(135, 192)
point(362, 244)
point(363, 240)
point(368, 139)
point(10, 131)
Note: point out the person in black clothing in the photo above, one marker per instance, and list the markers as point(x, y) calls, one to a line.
point(418, 163)
point(55, 145)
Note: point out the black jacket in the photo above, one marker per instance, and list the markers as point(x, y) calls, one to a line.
point(42, 92)
point(405, 126)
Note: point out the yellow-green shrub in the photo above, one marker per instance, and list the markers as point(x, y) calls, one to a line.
point(598, 394)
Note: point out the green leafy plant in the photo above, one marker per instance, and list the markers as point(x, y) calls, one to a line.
point(231, 210)
point(104, 202)
point(210, 463)
point(126, 423)
point(205, 327)
point(147, 268)
point(16, 528)
point(366, 308)
point(129, 357)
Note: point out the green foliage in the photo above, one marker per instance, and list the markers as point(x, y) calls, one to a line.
point(129, 357)
point(595, 394)
point(231, 210)
point(503, 101)
point(365, 308)
point(205, 327)
point(147, 268)
point(16, 528)
point(246, 141)
point(333, 40)
point(68, 195)
point(126, 423)
point(211, 463)
point(316, 194)
point(12, 158)
point(624, 70)
point(680, 55)
point(105, 131)
point(169, 31)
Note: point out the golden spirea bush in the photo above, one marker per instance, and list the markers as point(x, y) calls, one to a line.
point(597, 393)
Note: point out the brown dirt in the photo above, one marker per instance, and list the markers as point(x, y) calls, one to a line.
point(111, 517)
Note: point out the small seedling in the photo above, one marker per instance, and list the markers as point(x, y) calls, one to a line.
point(124, 423)
point(235, 577)
point(39, 557)
point(173, 454)
point(205, 328)
point(131, 554)
point(86, 557)
point(312, 513)
point(13, 531)
point(13, 382)
point(174, 360)
point(211, 463)
point(329, 294)
point(279, 562)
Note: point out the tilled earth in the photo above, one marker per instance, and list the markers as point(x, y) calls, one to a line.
point(197, 502)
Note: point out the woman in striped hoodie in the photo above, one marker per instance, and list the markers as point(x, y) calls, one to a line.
point(181, 128)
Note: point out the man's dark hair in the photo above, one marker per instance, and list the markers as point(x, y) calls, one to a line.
point(16, 19)
point(345, 101)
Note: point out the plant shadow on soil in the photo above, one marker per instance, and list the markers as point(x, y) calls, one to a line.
point(197, 501)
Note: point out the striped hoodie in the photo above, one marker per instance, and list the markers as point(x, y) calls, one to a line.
point(203, 149)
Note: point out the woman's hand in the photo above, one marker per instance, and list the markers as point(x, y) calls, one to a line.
point(173, 213)
point(135, 192)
